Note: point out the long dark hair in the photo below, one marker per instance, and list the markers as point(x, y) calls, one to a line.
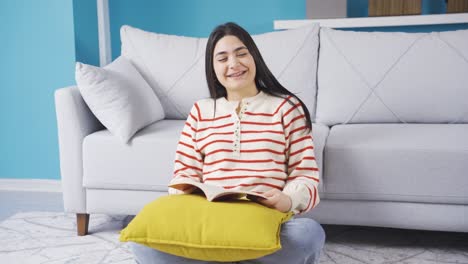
point(264, 79)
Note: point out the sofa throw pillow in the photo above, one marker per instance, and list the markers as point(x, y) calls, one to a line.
point(119, 97)
point(392, 77)
point(190, 226)
point(174, 66)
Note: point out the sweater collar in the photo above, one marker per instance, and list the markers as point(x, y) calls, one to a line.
point(259, 95)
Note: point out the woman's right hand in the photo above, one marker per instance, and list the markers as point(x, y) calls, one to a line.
point(182, 189)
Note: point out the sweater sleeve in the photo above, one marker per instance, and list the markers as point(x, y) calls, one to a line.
point(303, 173)
point(188, 162)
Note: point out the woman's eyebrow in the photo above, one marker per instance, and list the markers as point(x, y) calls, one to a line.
point(225, 52)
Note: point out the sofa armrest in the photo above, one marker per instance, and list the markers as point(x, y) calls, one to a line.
point(74, 121)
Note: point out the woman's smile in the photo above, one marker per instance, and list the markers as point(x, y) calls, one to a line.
point(236, 75)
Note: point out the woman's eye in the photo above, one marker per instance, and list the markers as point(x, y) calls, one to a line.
point(222, 59)
point(241, 54)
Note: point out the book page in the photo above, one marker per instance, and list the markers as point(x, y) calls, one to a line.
point(212, 192)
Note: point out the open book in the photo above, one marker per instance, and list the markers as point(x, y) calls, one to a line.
point(212, 192)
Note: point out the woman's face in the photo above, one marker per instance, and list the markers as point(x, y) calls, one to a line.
point(234, 66)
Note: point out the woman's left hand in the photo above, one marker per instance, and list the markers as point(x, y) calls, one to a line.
point(276, 199)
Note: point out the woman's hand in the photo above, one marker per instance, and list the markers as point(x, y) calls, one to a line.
point(182, 189)
point(276, 199)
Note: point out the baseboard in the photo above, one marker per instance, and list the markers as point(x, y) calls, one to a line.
point(30, 185)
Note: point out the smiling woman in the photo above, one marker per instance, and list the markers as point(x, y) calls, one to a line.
point(258, 140)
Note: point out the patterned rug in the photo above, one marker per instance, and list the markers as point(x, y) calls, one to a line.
point(40, 237)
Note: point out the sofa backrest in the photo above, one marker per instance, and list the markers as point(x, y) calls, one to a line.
point(382, 77)
point(174, 66)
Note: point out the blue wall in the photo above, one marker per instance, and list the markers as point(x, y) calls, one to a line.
point(198, 18)
point(86, 31)
point(41, 40)
point(37, 57)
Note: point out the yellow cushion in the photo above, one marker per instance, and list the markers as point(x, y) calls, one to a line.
point(192, 227)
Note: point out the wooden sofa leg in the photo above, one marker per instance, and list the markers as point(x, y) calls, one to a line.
point(82, 222)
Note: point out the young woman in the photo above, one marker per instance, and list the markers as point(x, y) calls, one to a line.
point(253, 134)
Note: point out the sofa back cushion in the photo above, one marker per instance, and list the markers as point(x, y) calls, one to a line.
point(376, 77)
point(174, 66)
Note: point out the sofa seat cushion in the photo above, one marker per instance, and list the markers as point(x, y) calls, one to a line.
point(397, 162)
point(147, 162)
point(144, 164)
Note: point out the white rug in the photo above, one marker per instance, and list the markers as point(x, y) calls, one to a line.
point(40, 237)
point(50, 238)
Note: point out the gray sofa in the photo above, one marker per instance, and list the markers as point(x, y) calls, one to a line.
point(390, 127)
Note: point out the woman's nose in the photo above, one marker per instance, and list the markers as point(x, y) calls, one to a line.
point(233, 62)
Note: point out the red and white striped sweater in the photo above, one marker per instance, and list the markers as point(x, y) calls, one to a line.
point(265, 146)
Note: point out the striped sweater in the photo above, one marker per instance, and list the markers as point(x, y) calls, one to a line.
point(264, 146)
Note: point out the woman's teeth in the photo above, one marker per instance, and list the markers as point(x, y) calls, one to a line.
point(237, 74)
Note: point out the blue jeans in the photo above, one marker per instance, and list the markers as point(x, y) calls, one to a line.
point(302, 240)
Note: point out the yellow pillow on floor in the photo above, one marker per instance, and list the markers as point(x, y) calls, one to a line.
point(192, 227)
